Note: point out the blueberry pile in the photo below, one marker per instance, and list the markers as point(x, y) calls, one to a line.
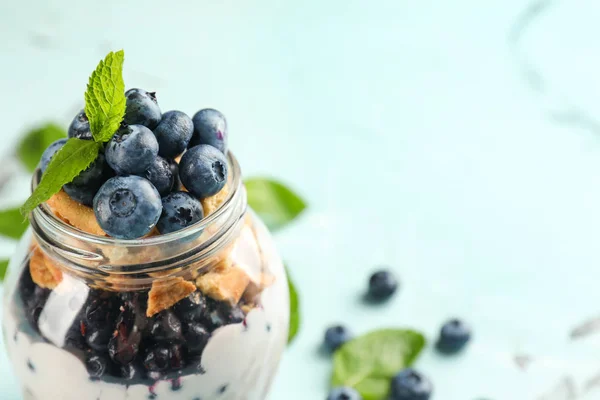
point(135, 184)
point(118, 343)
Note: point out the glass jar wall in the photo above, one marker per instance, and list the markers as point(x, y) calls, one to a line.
point(200, 313)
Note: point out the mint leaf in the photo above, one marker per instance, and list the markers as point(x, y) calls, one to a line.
point(294, 309)
point(34, 143)
point(3, 268)
point(12, 224)
point(75, 156)
point(105, 97)
point(368, 363)
point(276, 204)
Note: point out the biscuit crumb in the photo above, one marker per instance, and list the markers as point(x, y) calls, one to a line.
point(212, 203)
point(44, 271)
point(165, 294)
point(74, 213)
point(224, 285)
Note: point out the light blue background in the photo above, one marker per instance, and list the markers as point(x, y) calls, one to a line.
point(435, 137)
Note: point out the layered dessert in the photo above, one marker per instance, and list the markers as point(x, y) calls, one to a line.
point(145, 277)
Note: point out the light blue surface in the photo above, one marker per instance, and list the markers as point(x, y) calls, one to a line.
point(434, 137)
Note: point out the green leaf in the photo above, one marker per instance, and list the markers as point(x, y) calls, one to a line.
point(75, 156)
point(276, 204)
point(12, 224)
point(3, 268)
point(294, 309)
point(368, 363)
point(34, 143)
point(105, 97)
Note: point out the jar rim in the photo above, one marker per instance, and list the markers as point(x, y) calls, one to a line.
point(43, 213)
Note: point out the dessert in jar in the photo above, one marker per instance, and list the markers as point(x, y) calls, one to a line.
point(147, 276)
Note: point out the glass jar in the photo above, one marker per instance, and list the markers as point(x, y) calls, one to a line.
point(201, 313)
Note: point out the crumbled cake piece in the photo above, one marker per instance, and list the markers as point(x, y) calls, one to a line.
point(74, 213)
point(224, 285)
point(44, 271)
point(212, 203)
point(165, 294)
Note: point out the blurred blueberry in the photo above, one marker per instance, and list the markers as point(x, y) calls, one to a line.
point(410, 385)
point(454, 335)
point(336, 336)
point(382, 285)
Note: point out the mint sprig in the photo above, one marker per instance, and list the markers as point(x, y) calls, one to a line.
point(105, 97)
point(104, 107)
point(73, 158)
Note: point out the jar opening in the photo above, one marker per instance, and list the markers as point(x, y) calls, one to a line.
point(89, 254)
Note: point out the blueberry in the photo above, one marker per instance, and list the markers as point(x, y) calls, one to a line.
point(80, 127)
point(141, 108)
point(133, 371)
point(74, 339)
point(49, 153)
point(344, 393)
point(180, 210)
point(85, 186)
point(411, 385)
point(175, 171)
point(454, 335)
point(164, 357)
point(131, 150)
point(127, 207)
point(173, 133)
point(125, 343)
point(336, 336)
point(221, 314)
point(203, 171)
point(165, 326)
point(97, 365)
point(210, 127)
point(35, 305)
point(159, 173)
point(382, 285)
point(196, 337)
point(192, 308)
point(157, 358)
point(99, 318)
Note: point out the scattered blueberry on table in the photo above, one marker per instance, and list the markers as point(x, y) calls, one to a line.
point(335, 336)
point(454, 335)
point(382, 285)
point(410, 385)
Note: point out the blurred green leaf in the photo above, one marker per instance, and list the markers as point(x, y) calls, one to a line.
point(12, 223)
point(276, 204)
point(3, 267)
point(368, 363)
point(294, 309)
point(34, 143)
